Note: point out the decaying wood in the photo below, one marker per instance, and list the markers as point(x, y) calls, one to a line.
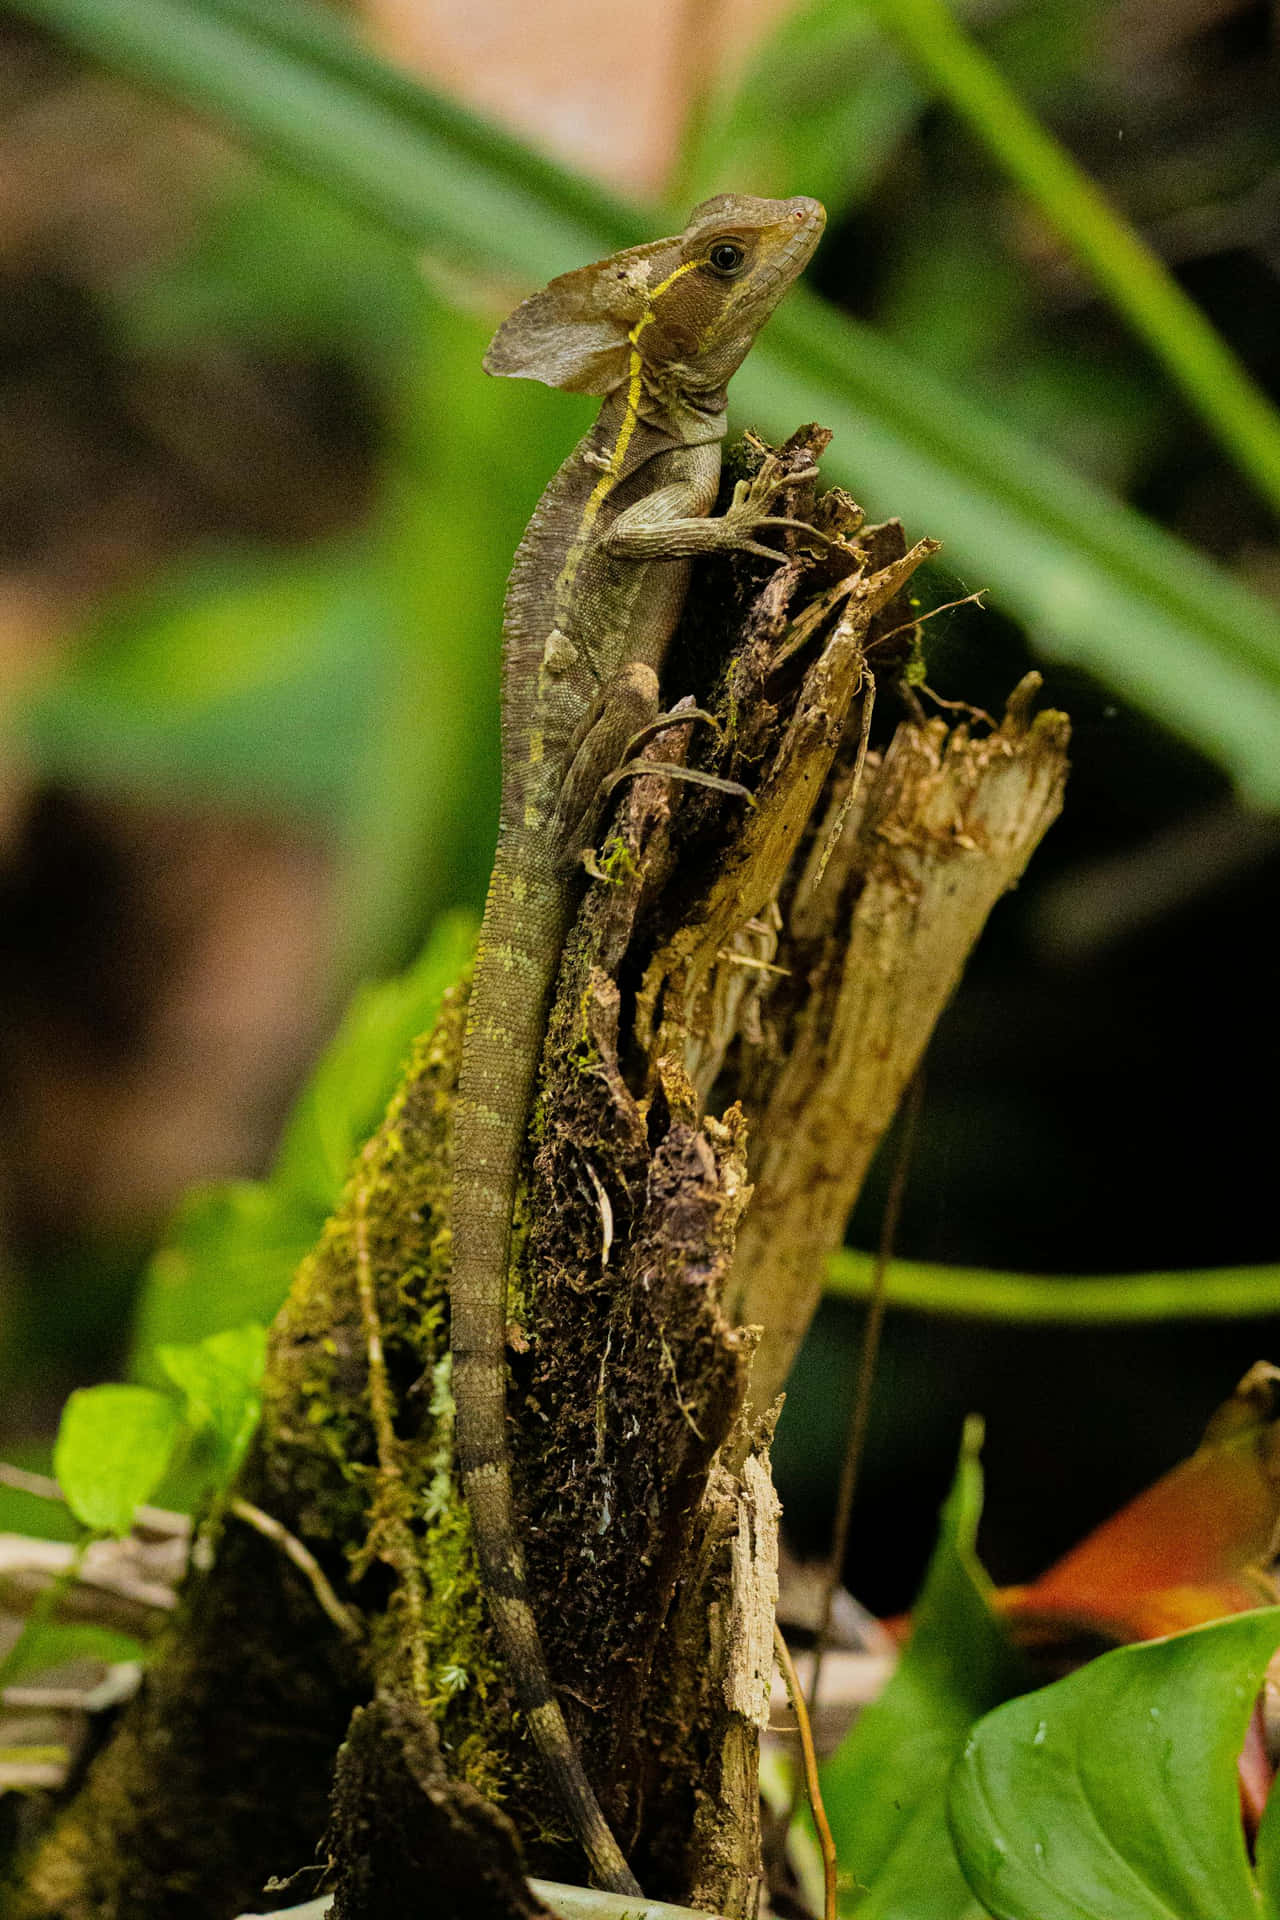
point(410, 1839)
point(942, 824)
point(746, 992)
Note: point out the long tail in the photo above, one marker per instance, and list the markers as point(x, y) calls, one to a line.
point(525, 922)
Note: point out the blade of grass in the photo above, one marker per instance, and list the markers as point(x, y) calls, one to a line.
point(1136, 280)
point(295, 83)
point(1095, 582)
point(1027, 1299)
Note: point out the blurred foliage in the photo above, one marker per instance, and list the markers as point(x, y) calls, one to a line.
point(229, 1254)
point(354, 684)
point(1109, 590)
point(976, 385)
point(222, 1269)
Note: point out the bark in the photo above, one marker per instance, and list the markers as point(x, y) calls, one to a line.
point(744, 996)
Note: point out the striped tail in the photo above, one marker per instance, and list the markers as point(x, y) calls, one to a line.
point(525, 922)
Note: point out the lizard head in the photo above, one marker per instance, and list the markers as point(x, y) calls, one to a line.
point(686, 309)
point(730, 267)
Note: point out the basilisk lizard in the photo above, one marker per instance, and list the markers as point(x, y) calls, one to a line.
point(595, 592)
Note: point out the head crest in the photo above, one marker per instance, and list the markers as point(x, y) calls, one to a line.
point(574, 334)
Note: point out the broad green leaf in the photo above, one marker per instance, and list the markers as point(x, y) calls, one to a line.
point(114, 1444)
point(240, 678)
point(886, 1788)
point(219, 1379)
point(1113, 1795)
point(1095, 582)
point(232, 1249)
point(348, 1091)
point(44, 1645)
point(227, 1258)
point(1043, 1299)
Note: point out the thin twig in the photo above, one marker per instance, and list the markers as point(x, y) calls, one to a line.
point(303, 1558)
point(860, 1417)
point(868, 690)
point(39, 1484)
point(973, 599)
point(826, 1841)
point(158, 1520)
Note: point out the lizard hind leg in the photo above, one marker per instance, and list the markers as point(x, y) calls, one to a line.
point(680, 715)
point(626, 706)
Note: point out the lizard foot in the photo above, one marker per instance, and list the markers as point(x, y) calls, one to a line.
point(694, 776)
point(673, 717)
point(751, 511)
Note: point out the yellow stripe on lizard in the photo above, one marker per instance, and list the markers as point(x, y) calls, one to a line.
point(613, 472)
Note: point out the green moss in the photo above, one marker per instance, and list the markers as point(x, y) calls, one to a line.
point(615, 862)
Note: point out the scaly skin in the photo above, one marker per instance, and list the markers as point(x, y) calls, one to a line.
point(595, 593)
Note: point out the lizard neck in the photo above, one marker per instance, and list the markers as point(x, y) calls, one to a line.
point(654, 415)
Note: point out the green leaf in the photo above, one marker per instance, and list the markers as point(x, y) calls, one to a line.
point(236, 678)
point(114, 1444)
point(44, 1645)
point(219, 1379)
point(1113, 1794)
point(226, 1259)
point(885, 1789)
point(347, 1094)
point(232, 1249)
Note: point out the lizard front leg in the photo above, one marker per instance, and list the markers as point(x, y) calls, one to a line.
point(660, 527)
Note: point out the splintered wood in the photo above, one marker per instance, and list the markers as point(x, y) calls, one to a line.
point(748, 991)
point(943, 823)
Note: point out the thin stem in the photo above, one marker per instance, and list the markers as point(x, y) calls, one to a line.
point(1049, 1300)
point(43, 1609)
point(303, 1558)
point(809, 1758)
point(861, 1415)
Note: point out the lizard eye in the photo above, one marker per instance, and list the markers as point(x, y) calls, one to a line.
point(727, 258)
